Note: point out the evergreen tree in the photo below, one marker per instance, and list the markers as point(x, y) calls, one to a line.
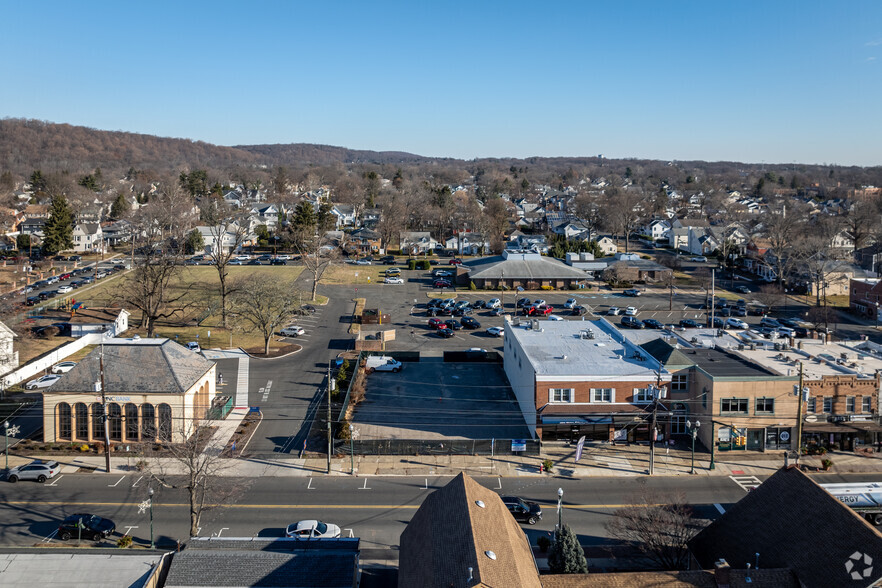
point(195, 242)
point(58, 231)
point(304, 216)
point(119, 208)
point(37, 181)
point(23, 241)
point(326, 220)
point(566, 555)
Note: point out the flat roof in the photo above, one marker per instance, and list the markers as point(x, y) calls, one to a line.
point(562, 348)
point(65, 569)
point(818, 359)
point(723, 364)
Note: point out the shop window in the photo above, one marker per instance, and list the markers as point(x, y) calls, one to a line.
point(642, 395)
point(165, 422)
point(678, 425)
point(148, 422)
point(602, 394)
point(64, 429)
point(828, 404)
point(765, 405)
point(81, 412)
point(812, 405)
point(114, 417)
point(849, 404)
point(97, 420)
point(867, 404)
point(680, 382)
point(733, 405)
point(560, 395)
point(132, 423)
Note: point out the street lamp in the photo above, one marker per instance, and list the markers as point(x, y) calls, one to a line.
point(150, 495)
point(693, 430)
point(351, 451)
point(559, 509)
point(6, 434)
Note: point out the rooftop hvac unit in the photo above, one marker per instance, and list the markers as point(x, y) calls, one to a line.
point(741, 347)
point(586, 334)
point(534, 324)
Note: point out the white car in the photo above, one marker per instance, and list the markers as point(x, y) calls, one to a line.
point(243, 257)
point(63, 367)
point(496, 331)
point(65, 289)
point(37, 470)
point(494, 303)
point(554, 317)
point(539, 302)
point(736, 323)
point(570, 303)
point(362, 262)
point(292, 331)
point(613, 311)
point(393, 281)
point(283, 257)
point(194, 346)
point(312, 529)
point(700, 258)
point(43, 382)
point(631, 311)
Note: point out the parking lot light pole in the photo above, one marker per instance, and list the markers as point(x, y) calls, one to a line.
point(351, 452)
point(693, 429)
point(150, 495)
point(6, 435)
point(559, 509)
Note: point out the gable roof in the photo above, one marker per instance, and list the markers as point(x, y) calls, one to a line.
point(669, 356)
point(792, 522)
point(451, 533)
point(762, 578)
point(142, 366)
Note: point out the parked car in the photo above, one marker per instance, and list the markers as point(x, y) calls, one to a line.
point(724, 312)
point(32, 300)
point(522, 510)
point(470, 323)
point(613, 311)
point(689, 324)
point(786, 332)
point(736, 323)
point(393, 281)
point(540, 310)
point(455, 262)
point(382, 363)
point(631, 311)
point(496, 331)
point(435, 323)
point(788, 322)
point(292, 331)
point(453, 324)
point(312, 529)
point(570, 303)
point(43, 382)
point(478, 304)
point(554, 317)
point(194, 346)
point(277, 261)
point(579, 310)
point(767, 332)
point(768, 321)
point(631, 322)
point(494, 303)
point(759, 310)
point(86, 526)
point(631, 292)
point(441, 284)
point(652, 324)
point(719, 323)
point(63, 367)
point(65, 289)
point(387, 260)
point(539, 302)
point(742, 289)
point(444, 332)
point(461, 304)
point(699, 258)
point(37, 470)
point(393, 271)
point(498, 311)
point(522, 302)
point(362, 262)
point(739, 311)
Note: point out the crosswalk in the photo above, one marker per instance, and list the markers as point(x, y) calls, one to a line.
point(747, 483)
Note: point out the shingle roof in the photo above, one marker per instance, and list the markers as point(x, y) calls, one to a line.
point(794, 523)
point(142, 366)
point(669, 356)
point(769, 578)
point(529, 267)
point(450, 533)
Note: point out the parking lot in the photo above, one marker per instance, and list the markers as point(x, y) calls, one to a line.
point(436, 400)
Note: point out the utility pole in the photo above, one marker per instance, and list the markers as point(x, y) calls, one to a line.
point(655, 393)
point(799, 399)
point(105, 415)
point(329, 416)
point(712, 305)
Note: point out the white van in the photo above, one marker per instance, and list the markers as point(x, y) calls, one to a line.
point(381, 363)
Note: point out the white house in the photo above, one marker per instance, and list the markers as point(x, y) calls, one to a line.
point(87, 237)
point(471, 243)
point(607, 245)
point(415, 242)
point(345, 215)
point(657, 229)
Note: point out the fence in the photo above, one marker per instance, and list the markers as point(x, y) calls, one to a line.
point(218, 410)
point(50, 358)
point(402, 356)
point(434, 447)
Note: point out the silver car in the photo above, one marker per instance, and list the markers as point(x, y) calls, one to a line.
point(38, 470)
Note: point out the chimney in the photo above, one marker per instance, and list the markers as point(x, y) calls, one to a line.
point(722, 571)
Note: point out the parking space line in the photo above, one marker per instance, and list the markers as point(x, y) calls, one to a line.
point(129, 529)
point(117, 483)
point(50, 536)
point(365, 487)
point(55, 481)
point(309, 486)
point(135, 485)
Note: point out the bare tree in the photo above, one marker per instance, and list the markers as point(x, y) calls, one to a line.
point(228, 231)
point(265, 305)
point(782, 228)
point(150, 288)
point(392, 220)
point(309, 235)
point(622, 212)
point(860, 222)
point(587, 210)
point(659, 526)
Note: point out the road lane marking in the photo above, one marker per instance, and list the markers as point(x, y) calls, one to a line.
point(135, 485)
point(720, 508)
point(55, 481)
point(309, 486)
point(117, 483)
point(129, 529)
point(365, 487)
point(308, 506)
point(222, 529)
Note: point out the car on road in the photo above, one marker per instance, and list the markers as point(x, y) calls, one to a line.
point(579, 311)
point(292, 331)
point(86, 526)
point(453, 324)
point(65, 289)
point(631, 322)
point(393, 281)
point(43, 382)
point(387, 260)
point(435, 323)
point(735, 323)
point(312, 529)
point(441, 284)
point(362, 262)
point(631, 292)
point(570, 303)
point(470, 323)
point(494, 303)
point(242, 257)
point(631, 311)
point(496, 331)
point(522, 510)
point(36, 470)
point(613, 311)
point(63, 367)
point(742, 289)
point(455, 262)
point(277, 261)
point(689, 324)
point(652, 324)
point(699, 258)
point(444, 332)
point(236, 262)
point(255, 262)
point(194, 346)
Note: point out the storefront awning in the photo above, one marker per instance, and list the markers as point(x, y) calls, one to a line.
point(845, 427)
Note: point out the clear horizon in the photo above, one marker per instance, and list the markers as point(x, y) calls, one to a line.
point(774, 83)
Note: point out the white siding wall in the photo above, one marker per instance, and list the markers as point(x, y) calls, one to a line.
point(521, 377)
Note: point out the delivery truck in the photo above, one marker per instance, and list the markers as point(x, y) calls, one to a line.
point(863, 497)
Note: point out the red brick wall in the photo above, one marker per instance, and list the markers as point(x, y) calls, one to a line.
point(624, 391)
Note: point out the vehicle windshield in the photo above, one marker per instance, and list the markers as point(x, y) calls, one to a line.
point(321, 528)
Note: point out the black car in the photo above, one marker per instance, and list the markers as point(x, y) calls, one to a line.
point(433, 311)
point(254, 262)
point(497, 312)
point(478, 304)
point(522, 510)
point(725, 311)
point(86, 526)
point(470, 323)
point(32, 300)
point(631, 322)
point(445, 333)
point(462, 311)
point(689, 324)
point(719, 323)
point(578, 310)
point(453, 324)
point(278, 262)
point(388, 260)
point(788, 322)
point(652, 324)
point(433, 303)
point(522, 302)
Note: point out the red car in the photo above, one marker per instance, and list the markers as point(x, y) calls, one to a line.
point(454, 262)
point(540, 310)
point(436, 324)
point(64, 277)
point(441, 284)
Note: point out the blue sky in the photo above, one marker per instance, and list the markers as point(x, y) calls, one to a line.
point(751, 81)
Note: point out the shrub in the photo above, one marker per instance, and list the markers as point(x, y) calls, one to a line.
point(124, 542)
point(574, 287)
point(84, 448)
point(472, 286)
point(567, 556)
point(827, 463)
point(543, 542)
point(343, 430)
point(423, 264)
point(547, 288)
point(547, 465)
point(411, 264)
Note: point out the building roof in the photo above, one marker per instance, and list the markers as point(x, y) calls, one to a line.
point(521, 266)
point(791, 522)
point(818, 359)
point(264, 561)
point(722, 364)
point(65, 569)
point(451, 533)
point(364, 234)
point(562, 348)
point(768, 578)
point(147, 366)
point(667, 354)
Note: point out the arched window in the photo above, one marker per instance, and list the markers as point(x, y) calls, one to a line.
point(114, 417)
point(81, 412)
point(165, 422)
point(97, 421)
point(132, 424)
point(63, 420)
point(148, 422)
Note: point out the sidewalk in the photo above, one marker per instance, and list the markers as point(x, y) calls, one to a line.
point(599, 460)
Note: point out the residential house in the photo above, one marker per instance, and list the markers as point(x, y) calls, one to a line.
point(656, 229)
point(780, 523)
point(524, 269)
point(366, 242)
point(522, 242)
point(417, 242)
point(345, 215)
point(91, 213)
point(830, 276)
point(572, 230)
point(156, 390)
point(370, 217)
point(678, 238)
point(87, 237)
point(117, 233)
point(463, 535)
point(607, 245)
point(223, 238)
point(701, 241)
point(467, 244)
point(574, 378)
point(267, 215)
point(32, 226)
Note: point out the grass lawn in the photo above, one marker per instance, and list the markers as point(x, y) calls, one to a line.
point(341, 274)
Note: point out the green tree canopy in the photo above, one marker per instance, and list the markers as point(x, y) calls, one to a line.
point(304, 216)
point(23, 241)
point(58, 231)
point(566, 555)
point(120, 207)
point(195, 242)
